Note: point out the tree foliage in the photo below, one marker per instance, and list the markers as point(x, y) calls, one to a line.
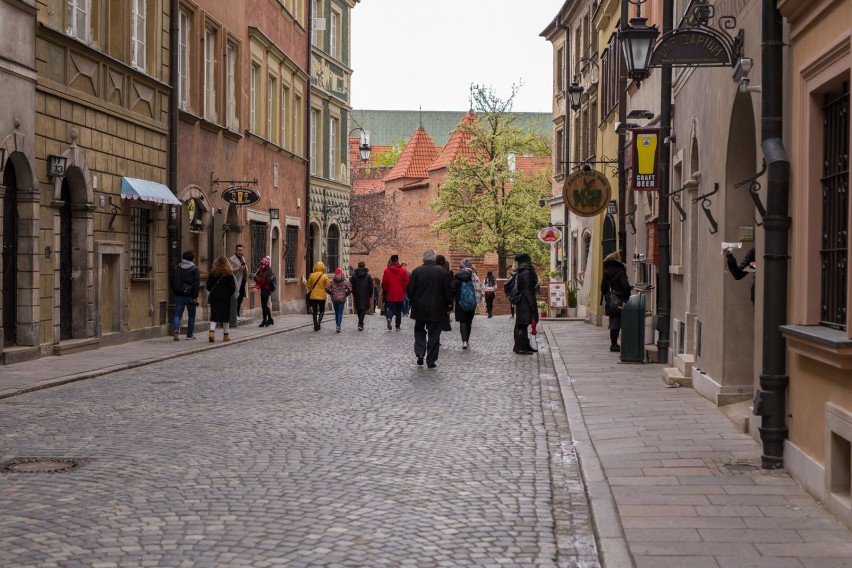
point(485, 206)
point(374, 223)
point(389, 157)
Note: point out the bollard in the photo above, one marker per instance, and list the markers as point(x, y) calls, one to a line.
point(633, 330)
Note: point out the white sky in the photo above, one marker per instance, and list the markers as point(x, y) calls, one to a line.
point(412, 53)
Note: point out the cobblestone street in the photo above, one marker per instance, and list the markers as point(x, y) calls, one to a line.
point(302, 449)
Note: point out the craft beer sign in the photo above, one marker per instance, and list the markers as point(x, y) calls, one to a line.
point(646, 159)
point(586, 193)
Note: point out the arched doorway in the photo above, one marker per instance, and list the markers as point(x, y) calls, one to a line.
point(10, 255)
point(609, 235)
point(73, 257)
point(275, 255)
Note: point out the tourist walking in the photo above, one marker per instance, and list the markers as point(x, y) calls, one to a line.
point(394, 282)
point(265, 282)
point(614, 279)
point(339, 289)
point(315, 286)
point(221, 286)
point(467, 294)
point(238, 265)
point(526, 311)
point(490, 290)
point(446, 325)
point(362, 292)
point(513, 273)
point(430, 295)
point(186, 282)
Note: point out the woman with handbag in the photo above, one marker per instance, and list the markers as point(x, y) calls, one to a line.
point(264, 281)
point(221, 286)
point(339, 289)
point(615, 290)
point(315, 286)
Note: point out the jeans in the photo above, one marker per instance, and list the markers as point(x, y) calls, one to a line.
point(182, 302)
point(427, 340)
point(392, 308)
point(338, 313)
point(405, 306)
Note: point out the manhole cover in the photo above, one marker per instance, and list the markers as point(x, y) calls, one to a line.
point(40, 465)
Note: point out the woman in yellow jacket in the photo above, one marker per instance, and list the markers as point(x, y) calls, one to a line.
point(315, 286)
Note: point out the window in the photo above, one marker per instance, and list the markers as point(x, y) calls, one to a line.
point(298, 131)
point(560, 152)
point(318, 23)
point(332, 148)
point(609, 76)
point(210, 74)
point(285, 118)
point(232, 120)
point(183, 60)
point(272, 127)
point(137, 34)
point(255, 112)
point(313, 142)
point(257, 232)
point(333, 248)
point(140, 222)
point(560, 70)
point(291, 242)
point(334, 34)
point(78, 19)
point(834, 248)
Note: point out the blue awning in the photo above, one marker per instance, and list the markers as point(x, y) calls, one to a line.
point(144, 190)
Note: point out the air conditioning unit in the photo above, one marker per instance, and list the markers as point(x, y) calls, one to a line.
point(319, 24)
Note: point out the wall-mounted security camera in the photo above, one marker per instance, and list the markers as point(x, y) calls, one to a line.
point(742, 68)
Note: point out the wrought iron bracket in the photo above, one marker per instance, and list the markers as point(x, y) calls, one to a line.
point(231, 182)
point(631, 217)
point(724, 47)
point(705, 205)
point(753, 188)
point(675, 195)
point(588, 164)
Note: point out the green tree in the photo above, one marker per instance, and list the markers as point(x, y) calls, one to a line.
point(485, 205)
point(389, 157)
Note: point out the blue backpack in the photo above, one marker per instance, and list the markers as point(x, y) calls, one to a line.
point(467, 296)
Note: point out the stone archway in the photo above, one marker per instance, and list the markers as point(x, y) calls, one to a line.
point(739, 315)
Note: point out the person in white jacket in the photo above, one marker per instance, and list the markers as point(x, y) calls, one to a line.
point(238, 265)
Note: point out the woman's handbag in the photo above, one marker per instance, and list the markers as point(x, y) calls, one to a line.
point(614, 304)
point(445, 323)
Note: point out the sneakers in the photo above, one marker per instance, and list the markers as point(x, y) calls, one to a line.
point(420, 360)
point(226, 337)
point(465, 344)
point(212, 336)
point(177, 336)
point(398, 328)
point(338, 329)
point(190, 337)
point(390, 327)
point(431, 365)
point(360, 328)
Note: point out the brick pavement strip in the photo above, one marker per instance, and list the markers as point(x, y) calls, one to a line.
point(300, 449)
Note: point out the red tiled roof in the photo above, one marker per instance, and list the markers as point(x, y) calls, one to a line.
point(456, 145)
point(418, 154)
point(532, 165)
point(355, 157)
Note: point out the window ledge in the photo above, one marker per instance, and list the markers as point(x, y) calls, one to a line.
point(676, 269)
point(830, 346)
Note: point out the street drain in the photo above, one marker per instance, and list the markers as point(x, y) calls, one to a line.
point(40, 465)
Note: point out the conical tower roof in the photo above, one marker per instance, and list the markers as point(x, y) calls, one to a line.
point(456, 146)
point(418, 154)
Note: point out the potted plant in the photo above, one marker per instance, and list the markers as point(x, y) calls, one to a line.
point(571, 297)
point(555, 275)
point(542, 308)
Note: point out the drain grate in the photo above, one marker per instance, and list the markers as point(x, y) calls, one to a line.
point(40, 465)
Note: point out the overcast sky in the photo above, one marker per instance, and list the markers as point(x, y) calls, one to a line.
point(412, 53)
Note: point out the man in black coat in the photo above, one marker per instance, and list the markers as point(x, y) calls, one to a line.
point(362, 292)
point(430, 296)
point(615, 279)
point(527, 308)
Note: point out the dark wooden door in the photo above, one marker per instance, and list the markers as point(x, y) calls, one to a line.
point(10, 256)
point(65, 265)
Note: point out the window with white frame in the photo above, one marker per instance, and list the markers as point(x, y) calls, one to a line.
point(183, 59)
point(314, 15)
point(233, 121)
point(137, 34)
point(255, 114)
point(334, 27)
point(332, 148)
point(272, 127)
point(285, 117)
point(313, 141)
point(78, 19)
point(298, 135)
point(210, 74)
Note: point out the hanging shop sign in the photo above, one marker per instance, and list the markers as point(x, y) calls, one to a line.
point(550, 235)
point(241, 196)
point(645, 153)
point(586, 192)
point(701, 47)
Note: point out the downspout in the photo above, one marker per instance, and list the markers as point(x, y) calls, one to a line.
point(173, 227)
point(770, 401)
point(307, 149)
point(565, 153)
point(622, 140)
point(663, 226)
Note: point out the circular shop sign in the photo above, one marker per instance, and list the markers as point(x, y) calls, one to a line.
point(550, 235)
point(241, 196)
point(586, 193)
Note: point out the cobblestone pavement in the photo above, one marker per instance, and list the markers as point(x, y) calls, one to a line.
point(302, 449)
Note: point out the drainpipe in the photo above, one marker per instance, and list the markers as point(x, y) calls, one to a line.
point(770, 401)
point(307, 117)
point(565, 153)
point(663, 226)
point(173, 228)
point(622, 140)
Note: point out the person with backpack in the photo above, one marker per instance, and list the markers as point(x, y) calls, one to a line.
point(522, 294)
point(338, 289)
point(467, 294)
point(264, 280)
point(186, 282)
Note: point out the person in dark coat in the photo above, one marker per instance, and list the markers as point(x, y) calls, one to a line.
point(526, 312)
point(490, 292)
point(265, 284)
point(362, 292)
point(221, 286)
point(615, 279)
point(430, 295)
point(186, 283)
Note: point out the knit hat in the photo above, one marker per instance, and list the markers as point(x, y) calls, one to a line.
point(466, 263)
point(338, 271)
point(523, 258)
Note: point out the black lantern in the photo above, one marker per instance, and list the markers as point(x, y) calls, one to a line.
point(364, 148)
point(637, 42)
point(575, 91)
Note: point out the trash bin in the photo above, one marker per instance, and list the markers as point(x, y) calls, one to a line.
point(633, 330)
